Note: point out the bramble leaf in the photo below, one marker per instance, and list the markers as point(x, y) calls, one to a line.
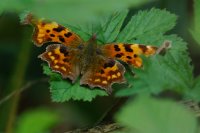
point(149, 115)
point(106, 28)
point(169, 72)
point(147, 24)
point(63, 90)
point(111, 26)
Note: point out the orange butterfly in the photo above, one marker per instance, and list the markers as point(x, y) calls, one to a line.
point(71, 56)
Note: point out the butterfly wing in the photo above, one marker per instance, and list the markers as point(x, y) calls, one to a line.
point(63, 60)
point(129, 53)
point(104, 75)
point(52, 32)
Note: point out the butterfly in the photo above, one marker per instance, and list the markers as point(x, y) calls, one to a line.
point(69, 55)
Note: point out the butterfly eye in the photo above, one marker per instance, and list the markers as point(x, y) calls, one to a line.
point(80, 46)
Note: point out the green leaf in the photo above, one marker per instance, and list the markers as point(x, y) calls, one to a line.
point(107, 28)
point(36, 121)
point(134, 86)
point(53, 75)
point(63, 90)
point(148, 115)
point(147, 24)
point(172, 71)
point(111, 26)
point(196, 26)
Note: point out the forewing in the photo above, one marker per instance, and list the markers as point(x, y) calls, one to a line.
point(104, 75)
point(45, 31)
point(129, 53)
point(63, 60)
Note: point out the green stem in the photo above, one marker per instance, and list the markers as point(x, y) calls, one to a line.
point(17, 79)
point(8, 111)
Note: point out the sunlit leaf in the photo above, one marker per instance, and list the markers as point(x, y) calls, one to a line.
point(170, 72)
point(63, 90)
point(147, 24)
point(111, 26)
point(106, 29)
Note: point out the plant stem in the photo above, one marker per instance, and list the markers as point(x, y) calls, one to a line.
point(8, 111)
point(17, 79)
point(25, 87)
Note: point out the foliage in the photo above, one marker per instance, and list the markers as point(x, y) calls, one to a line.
point(172, 71)
point(147, 24)
point(146, 27)
point(36, 121)
point(149, 115)
point(62, 90)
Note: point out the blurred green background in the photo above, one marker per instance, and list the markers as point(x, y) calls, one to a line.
point(21, 69)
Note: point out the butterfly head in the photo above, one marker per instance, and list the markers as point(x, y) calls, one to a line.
point(93, 39)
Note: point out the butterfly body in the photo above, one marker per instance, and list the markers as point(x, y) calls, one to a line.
point(89, 55)
point(97, 65)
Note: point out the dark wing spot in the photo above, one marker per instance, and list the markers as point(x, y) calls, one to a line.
point(65, 60)
point(47, 31)
point(128, 48)
point(59, 28)
point(143, 48)
point(49, 39)
point(135, 56)
point(118, 55)
point(102, 71)
point(116, 48)
point(52, 35)
point(128, 57)
point(129, 62)
point(63, 50)
point(110, 63)
point(68, 34)
point(61, 39)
